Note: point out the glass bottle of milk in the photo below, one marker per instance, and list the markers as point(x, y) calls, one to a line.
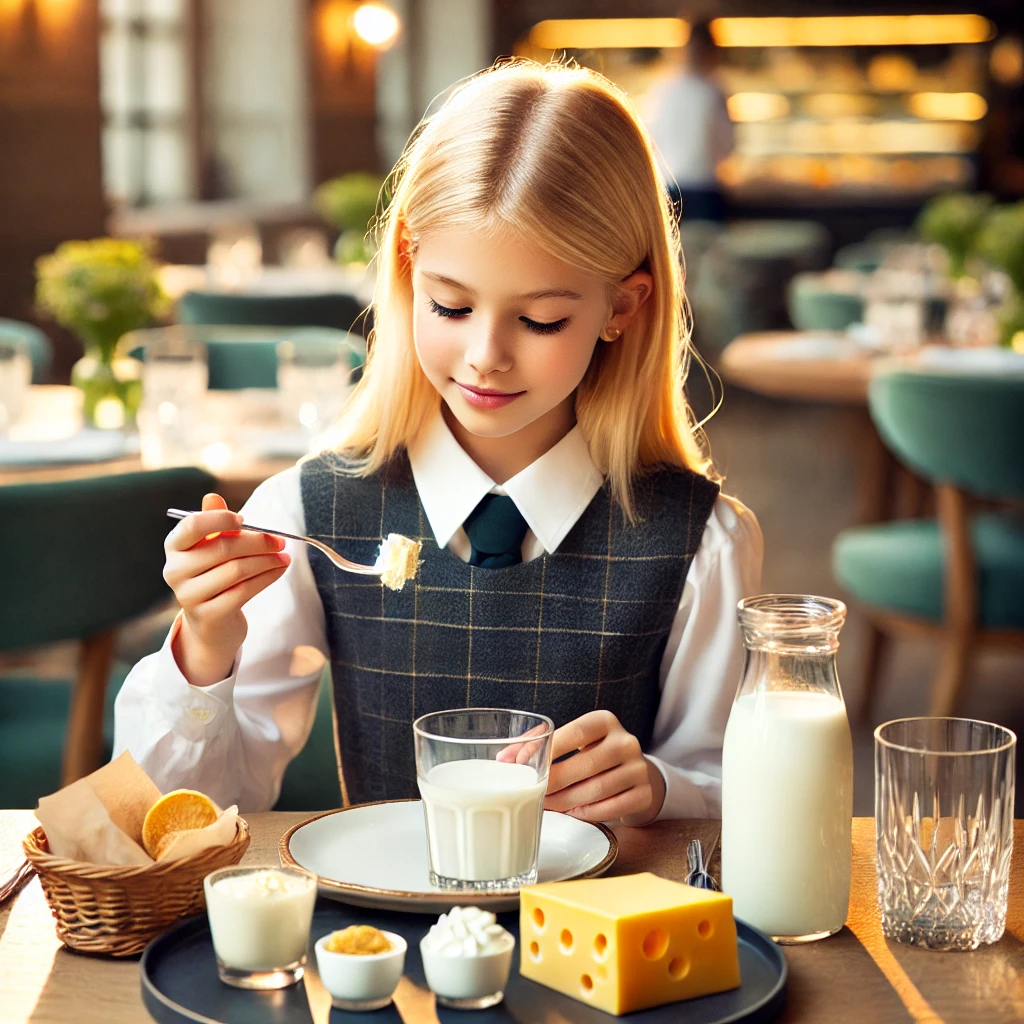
point(787, 772)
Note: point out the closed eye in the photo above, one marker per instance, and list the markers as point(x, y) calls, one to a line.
point(553, 327)
point(447, 310)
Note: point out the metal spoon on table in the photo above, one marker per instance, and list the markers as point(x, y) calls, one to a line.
point(698, 874)
point(339, 560)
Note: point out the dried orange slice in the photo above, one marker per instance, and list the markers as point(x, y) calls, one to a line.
point(178, 811)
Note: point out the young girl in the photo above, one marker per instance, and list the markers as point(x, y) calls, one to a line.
point(522, 414)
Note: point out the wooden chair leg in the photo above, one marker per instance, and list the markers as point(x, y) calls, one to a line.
point(83, 742)
point(877, 648)
point(948, 685)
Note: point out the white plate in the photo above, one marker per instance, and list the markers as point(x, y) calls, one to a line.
point(375, 855)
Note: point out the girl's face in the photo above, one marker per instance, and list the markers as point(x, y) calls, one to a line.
point(505, 334)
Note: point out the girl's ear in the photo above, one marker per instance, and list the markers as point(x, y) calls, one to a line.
point(630, 295)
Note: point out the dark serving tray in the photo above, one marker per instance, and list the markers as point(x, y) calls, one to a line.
point(180, 983)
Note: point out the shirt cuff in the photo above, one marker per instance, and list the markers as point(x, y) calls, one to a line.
point(683, 797)
point(193, 712)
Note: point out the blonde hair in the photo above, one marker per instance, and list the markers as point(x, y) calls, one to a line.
point(555, 154)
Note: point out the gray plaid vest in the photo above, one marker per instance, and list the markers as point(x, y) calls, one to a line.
point(563, 634)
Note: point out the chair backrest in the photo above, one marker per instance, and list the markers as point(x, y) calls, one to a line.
point(40, 351)
point(335, 309)
point(965, 429)
point(80, 556)
point(246, 357)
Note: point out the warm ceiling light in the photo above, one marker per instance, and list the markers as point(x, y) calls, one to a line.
point(858, 30)
point(609, 33)
point(757, 106)
point(375, 24)
point(1007, 61)
point(948, 106)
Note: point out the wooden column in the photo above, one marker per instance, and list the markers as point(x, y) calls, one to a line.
point(51, 185)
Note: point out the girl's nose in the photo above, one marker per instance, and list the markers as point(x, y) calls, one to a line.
point(487, 351)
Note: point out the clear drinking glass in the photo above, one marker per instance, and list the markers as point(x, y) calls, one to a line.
point(15, 377)
point(260, 919)
point(787, 772)
point(174, 381)
point(482, 773)
point(944, 830)
point(312, 380)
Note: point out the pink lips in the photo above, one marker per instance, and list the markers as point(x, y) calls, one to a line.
point(486, 398)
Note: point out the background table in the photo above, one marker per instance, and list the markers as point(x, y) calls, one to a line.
point(853, 976)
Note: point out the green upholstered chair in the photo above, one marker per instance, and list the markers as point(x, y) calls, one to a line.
point(246, 357)
point(40, 350)
point(816, 303)
point(335, 309)
point(959, 577)
point(311, 781)
point(79, 557)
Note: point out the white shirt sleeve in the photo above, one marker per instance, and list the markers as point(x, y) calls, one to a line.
point(234, 739)
point(703, 662)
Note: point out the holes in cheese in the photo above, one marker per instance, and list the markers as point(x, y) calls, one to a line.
point(565, 941)
point(535, 952)
point(538, 919)
point(600, 946)
point(655, 943)
point(678, 968)
point(705, 929)
point(587, 984)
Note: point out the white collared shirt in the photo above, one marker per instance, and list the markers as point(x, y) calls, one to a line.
point(234, 739)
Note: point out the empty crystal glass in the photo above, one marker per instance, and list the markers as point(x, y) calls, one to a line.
point(944, 830)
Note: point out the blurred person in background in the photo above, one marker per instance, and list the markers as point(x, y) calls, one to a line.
point(688, 120)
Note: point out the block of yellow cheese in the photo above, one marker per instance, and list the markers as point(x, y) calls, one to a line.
point(628, 942)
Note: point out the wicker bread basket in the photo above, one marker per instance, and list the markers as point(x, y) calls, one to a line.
point(117, 910)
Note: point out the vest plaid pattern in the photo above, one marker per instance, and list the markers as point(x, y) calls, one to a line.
point(563, 634)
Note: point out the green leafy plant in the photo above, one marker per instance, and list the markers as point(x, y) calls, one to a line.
point(349, 203)
point(954, 220)
point(1001, 244)
point(100, 289)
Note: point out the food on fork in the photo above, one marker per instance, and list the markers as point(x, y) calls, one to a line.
point(399, 557)
point(358, 939)
point(629, 942)
point(181, 810)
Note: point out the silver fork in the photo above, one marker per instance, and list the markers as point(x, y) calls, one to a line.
point(340, 561)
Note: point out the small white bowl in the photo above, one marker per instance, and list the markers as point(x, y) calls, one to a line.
point(468, 982)
point(361, 981)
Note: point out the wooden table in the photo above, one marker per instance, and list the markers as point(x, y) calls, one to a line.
point(855, 976)
point(55, 410)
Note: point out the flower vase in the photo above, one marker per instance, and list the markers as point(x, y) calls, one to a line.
point(111, 385)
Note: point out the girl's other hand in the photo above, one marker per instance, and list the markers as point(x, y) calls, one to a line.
point(213, 569)
point(607, 777)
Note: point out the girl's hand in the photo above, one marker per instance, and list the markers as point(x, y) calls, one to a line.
point(608, 777)
point(213, 569)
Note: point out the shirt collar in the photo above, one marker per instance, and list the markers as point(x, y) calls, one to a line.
point(551, 493)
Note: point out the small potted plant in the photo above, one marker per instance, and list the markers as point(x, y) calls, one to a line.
point(953, 221)
point(1001, 244)
point(101, 289)
point(349, 203)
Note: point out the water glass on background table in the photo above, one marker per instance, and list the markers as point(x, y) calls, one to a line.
point(174, 381)
point(944, 830)
point(15, 377)
point(482, 773)
point(312, 380)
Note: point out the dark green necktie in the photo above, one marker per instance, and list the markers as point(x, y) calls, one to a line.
point(496, 529)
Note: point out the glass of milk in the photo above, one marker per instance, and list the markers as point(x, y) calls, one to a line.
point(482, 773)
point(787, 772)
point(260, 919)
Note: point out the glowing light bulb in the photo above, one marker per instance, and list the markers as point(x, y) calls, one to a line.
point(375, 24)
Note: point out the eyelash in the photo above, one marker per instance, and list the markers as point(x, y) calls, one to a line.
point(534, 325)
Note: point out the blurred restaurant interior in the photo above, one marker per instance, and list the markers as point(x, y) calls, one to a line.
point(872, 209)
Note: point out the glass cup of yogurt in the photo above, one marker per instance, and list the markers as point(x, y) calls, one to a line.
point(260, 919)
point(482, 773)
